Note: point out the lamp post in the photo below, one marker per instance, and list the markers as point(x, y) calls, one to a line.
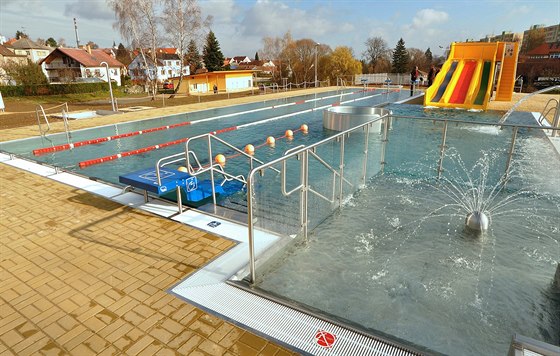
point(110, 87)
point(316, 50)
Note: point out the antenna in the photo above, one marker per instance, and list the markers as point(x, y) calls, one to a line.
point(76, 30)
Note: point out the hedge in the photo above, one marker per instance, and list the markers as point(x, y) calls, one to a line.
point(52, 89)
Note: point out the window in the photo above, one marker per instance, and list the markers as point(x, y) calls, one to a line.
point(162, 71)
point(169, 72)
point(177, 63)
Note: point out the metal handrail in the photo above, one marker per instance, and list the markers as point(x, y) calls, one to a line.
point(304, 186)
point(41, 131)
point(546, 110)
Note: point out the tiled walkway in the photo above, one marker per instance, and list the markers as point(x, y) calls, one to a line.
point(83, 275)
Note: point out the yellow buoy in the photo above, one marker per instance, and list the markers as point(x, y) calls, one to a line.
point(183, 169)
point(304, 128)
point(220, 159)
point(250, 149)
point(289, 134)
point(270, 140)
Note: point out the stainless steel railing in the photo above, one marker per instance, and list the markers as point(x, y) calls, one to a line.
point(304, 153)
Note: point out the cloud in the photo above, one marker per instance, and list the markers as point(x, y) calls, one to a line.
point(268, 18)
point(89, 10)
point(428, 17)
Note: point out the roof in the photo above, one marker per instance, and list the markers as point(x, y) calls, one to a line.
point(167, 50)
point(4, 51)
point(26, 43)
point(216, 72)
point(240, 58)
point(545, 49)
point(83, 57)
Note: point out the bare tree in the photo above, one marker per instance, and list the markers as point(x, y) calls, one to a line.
point(376, 51)
point(183, 22)
point(137, 22)
point(418, 58)
point(274, 48)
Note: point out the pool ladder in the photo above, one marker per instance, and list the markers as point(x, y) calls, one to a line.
point(40, 113)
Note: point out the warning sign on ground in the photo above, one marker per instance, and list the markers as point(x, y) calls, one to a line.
point(325, 339)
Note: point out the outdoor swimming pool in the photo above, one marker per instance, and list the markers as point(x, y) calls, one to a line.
point(398, 249)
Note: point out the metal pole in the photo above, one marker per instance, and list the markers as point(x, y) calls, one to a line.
point(341, 184)
point(442, 149)
point(305, 191)
point(252, 275)
point(510, 154)
point(556, 120)
point(316, 50)
point(384, 142)
point(110, 86)
point(212, 171)
point(364, 172)
point(179, 200)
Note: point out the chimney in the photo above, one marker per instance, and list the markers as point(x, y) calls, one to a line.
point(88, 49)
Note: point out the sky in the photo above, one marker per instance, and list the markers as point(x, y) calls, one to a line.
point(240, 25)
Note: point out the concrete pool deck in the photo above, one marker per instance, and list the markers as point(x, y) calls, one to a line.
point(83, 275)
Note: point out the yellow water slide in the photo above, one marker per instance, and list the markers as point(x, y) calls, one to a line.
point(466, 78)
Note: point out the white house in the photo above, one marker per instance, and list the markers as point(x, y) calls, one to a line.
point(80, 65)
point(168, 66)
point(33, 51)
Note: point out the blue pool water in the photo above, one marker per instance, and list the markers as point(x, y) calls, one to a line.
point(202, 122)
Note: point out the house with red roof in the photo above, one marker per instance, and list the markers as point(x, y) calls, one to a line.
point(65, 65)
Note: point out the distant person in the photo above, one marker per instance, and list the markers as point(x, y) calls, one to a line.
point(431, 75)
point(413, 78)
point(215, 89)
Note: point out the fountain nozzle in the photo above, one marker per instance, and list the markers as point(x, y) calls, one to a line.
point(477, 221)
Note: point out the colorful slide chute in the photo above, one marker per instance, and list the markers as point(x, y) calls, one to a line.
point(468, 76)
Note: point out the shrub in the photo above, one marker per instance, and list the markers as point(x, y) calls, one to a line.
point(53, 89)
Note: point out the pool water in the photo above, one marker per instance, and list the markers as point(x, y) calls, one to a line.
point(398, 260)
point(269, 119)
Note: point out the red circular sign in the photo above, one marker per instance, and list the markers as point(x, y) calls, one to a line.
point(325, 339)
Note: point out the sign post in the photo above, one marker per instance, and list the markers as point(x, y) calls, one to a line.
point(2, 107)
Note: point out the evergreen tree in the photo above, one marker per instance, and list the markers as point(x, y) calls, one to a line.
point(429, 56)
point(192, 57)
point(256, 56)
point(51, 42)
point(400, 58)
point(212, 55)
point(20, 35)
point(123, 55)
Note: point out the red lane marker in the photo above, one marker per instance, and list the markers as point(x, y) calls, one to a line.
point(300, 102)
point(44, 150)
point(91, 162)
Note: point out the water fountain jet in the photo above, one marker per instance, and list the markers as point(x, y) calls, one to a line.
point(477, 221)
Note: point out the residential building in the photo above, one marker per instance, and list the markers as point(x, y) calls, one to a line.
point(266, 67)
point(168, 66)
point(234, 62)
point(541, 66)
point(80, 65)
point(225, 81)
point(505, 36)
point(35, 52)
point(7, 57)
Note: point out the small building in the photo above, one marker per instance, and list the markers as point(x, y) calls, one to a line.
point(80, 65)
point(226, 81)
point(35, 52)
point(168, 66)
